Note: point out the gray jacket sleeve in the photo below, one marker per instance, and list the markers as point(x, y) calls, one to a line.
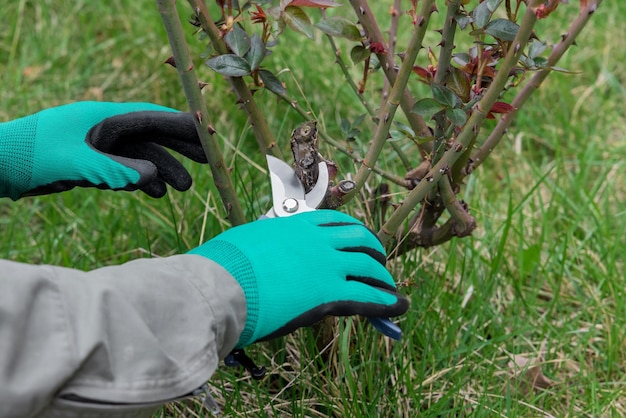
point(116, 341)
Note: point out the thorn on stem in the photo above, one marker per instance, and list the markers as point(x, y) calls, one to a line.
point(170, 61)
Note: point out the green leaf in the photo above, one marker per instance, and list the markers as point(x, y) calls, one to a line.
point(238, 41)
point(256, 53)
point(462, 20)
point(272, 83)
point(443, 95)
point(345, 126)
point(359, 53)
point(456, 116)
point(229, 65)
point(481, 14)
point(340, 27)
point(502, 29)
point(423, 139)
point(427, 107)
point(297, 20)
point(536, 48)
point(492, 5)
point(359, 121)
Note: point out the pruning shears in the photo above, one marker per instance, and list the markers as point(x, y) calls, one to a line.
point(289, 198)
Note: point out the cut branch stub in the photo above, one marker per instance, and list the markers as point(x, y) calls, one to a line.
point(305, 154)
point(304, 147)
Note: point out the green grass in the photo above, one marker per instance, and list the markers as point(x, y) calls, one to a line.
point(541, 279)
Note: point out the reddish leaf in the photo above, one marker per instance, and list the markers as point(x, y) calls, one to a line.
point(471, 67)
point(499, 107)
point(319, 4)
point(422, 72)
point(547, 7)
point(259, 16)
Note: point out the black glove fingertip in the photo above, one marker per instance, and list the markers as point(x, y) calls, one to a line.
point(155, 189)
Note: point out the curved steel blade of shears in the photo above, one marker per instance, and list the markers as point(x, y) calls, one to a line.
point(288, 196)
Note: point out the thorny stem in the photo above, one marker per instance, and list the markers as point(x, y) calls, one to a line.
point(443, 70)
point(206, 132)
point(535, 82)
point(373, 33)
point(261, 130)
point(443, 67)
point(467, 135)
point(393, 37)
point(348, 77)
point(397, 91)
point(346, 74)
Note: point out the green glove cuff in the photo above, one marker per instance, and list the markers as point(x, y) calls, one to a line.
point(237, 264)
point(17, 150)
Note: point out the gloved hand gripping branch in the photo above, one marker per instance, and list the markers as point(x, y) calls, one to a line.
point(333, 266)
point(117, 146)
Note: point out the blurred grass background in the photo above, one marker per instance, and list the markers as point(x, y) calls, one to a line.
point(525, 318)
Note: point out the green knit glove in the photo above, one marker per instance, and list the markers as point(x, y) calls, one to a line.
point(115, 146)
point(298, 269)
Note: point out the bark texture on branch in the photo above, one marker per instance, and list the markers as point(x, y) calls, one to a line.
point(306, 156)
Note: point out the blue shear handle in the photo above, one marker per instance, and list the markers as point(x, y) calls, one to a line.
point(387, 327)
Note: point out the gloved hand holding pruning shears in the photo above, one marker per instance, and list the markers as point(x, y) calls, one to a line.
point(289, 198)
point(346, 274)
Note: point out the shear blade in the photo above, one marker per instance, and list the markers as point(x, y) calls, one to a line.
point(286, 185)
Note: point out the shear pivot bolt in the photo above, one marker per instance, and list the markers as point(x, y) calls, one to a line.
point(290, 205)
